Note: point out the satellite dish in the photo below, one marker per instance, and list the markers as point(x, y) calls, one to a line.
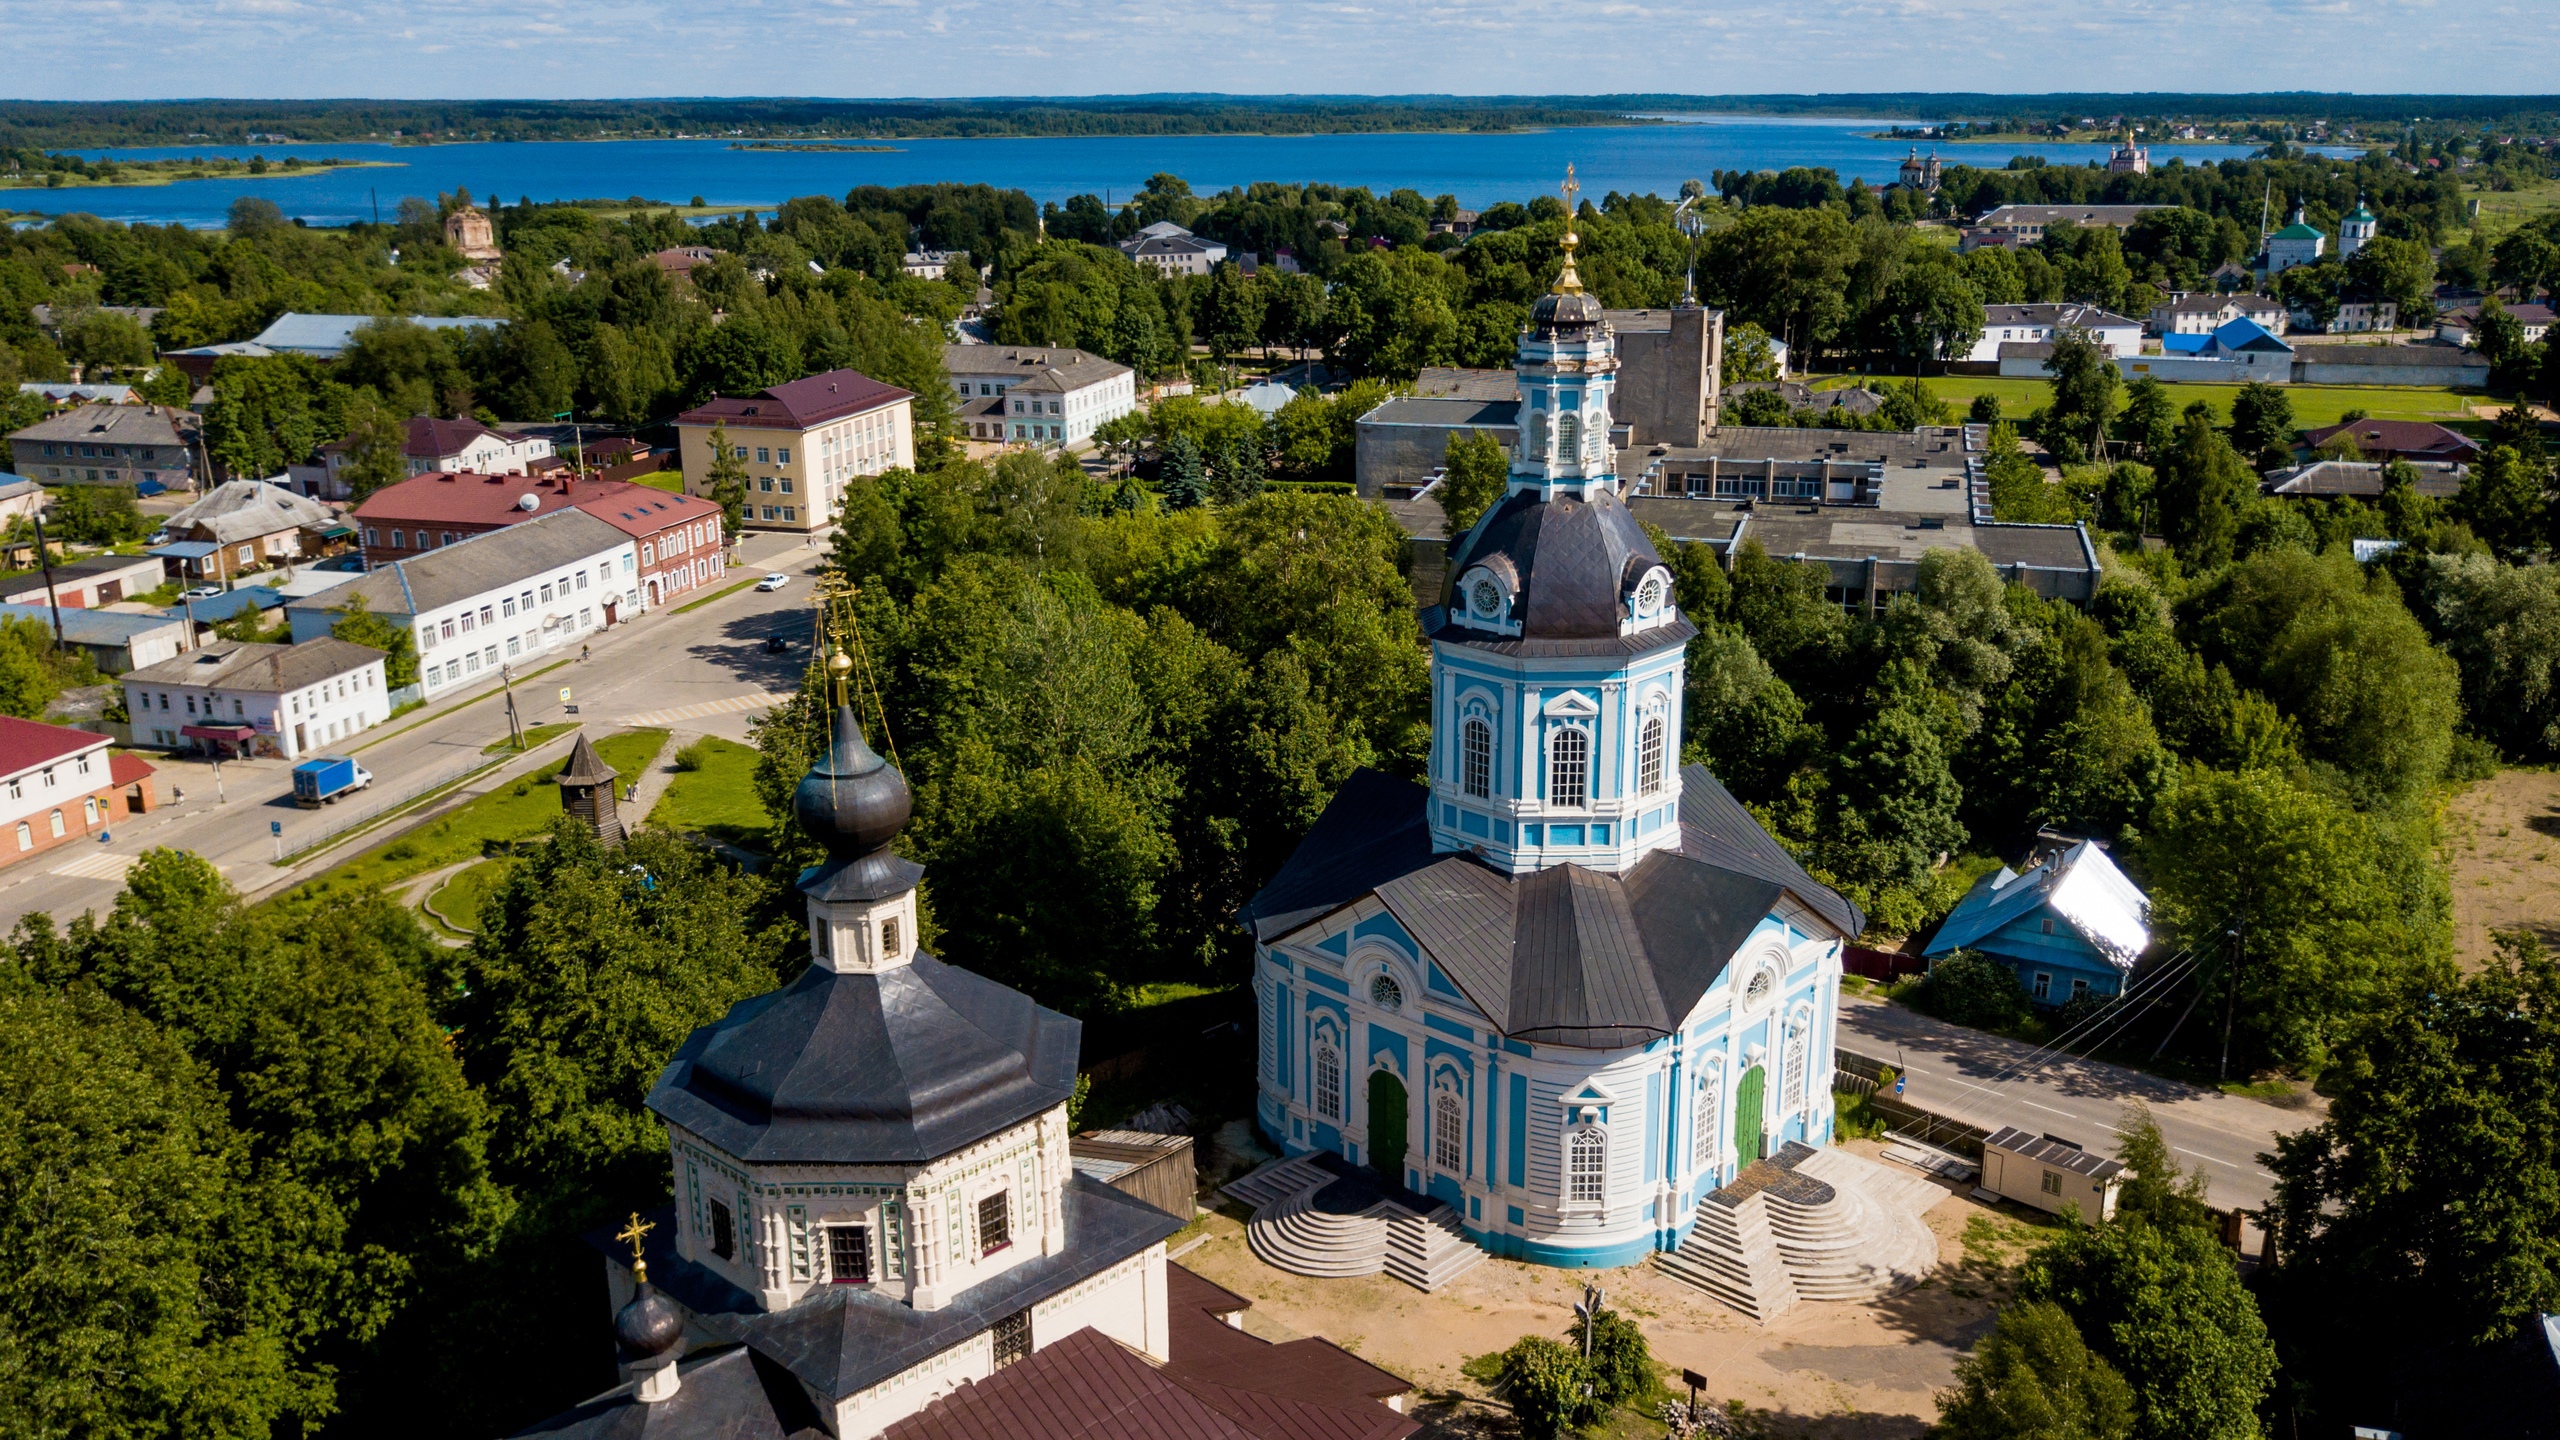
point(528, 502)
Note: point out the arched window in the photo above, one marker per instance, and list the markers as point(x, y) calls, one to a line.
point(26, 836)
point(1649, 756)
point(1704, 1122)
point(57, 824)
point(1569, 435)
point(1587, 1166)
point(1795, 1076)
point(1448, 1132)
point(1569, 768)
point(1476, 757)
point(1328, 1081)
point(1386, 994)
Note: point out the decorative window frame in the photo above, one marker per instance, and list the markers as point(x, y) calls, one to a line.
point(1474, 709)
point(1556, 731)
point(1325, 1035)
point(1771, 965)
point(1575, 1133)
point(1653, 717)
point(1795, 1061)
point(1706, 1114)
point(1447, 1083)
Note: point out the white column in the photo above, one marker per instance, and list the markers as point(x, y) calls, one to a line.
point(772, 1246)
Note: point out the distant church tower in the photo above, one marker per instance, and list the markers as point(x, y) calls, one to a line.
point(586, 792)
point(2356, 229)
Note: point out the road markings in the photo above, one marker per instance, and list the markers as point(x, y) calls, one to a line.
point(102, 865)
point(756, 700)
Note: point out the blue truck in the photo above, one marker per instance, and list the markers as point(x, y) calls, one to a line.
point(318, 782)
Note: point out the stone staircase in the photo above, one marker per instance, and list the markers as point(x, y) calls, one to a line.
point(1732, 1254)
point(1808, 1224)
point(1428, 1250)
point(1297, 1235)
point(1277, 1181)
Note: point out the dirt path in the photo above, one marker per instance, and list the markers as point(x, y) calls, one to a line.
point(654, 780)
point(2502, 845)
point(1839, 1372)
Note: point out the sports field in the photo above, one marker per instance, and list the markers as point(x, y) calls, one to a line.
point(2313, 405)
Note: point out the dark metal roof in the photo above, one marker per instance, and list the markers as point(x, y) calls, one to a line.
point(1564, 956)
point(2060, 1154)
point(585, 766)
point(900, 1066)
point(1084, 1387)
point(1576, 560)
point(731, 1393)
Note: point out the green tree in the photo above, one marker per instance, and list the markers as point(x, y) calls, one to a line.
point(2283, 890)
point(2149, 425)
point(2155, 1188)
point(2201, 491)
point(725, 481)
point(374, 443)
point(2085, 385)
point(28, 682)
point(359, 625)
point(2262, 424)
point(2501, 623)
point(2398, 271)
point(1967, 988)
point(1891, 809)
point(1476, 472)
point(2505, 500)
point(2165, 1309)
point(1546, 1384)
point(1621, 1365)
point(1183, 478)
point(2034, 1378)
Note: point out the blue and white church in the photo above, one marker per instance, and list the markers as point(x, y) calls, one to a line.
point(1567, 987)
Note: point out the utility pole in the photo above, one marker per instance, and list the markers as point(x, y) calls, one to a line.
point(2231, 998)
point(44, 557)
point(515, 726)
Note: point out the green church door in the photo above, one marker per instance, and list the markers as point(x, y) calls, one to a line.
point(1747, 1139)
point(1386, 1125)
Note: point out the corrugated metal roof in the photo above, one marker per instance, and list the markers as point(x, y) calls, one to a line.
point(479, 564)
point(2047, 1151)
point(2083, 888)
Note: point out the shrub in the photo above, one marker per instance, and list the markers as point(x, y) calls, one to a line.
point(1621, 1362)
point(694, 756)
point(1545, 1381)
point(1970, 989)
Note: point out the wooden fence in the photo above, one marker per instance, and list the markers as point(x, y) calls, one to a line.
point(1884, 965)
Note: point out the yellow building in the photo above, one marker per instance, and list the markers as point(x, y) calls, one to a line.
point(801, 443)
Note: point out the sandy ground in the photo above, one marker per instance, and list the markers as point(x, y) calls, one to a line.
point(1838, 1372)
point(2502, 844)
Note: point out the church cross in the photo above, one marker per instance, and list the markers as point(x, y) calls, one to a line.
point(1572, 187)
point(632, 1234)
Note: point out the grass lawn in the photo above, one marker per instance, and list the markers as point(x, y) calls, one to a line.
point(532, 737)
point(458, 898)
point(716, 798)
point(671, 481)
point(521, 809)
point(2313, 405)
point(723, 591)
point(2504, 210)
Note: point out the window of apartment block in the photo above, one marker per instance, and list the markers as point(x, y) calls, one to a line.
point(782, 456)
point(763, 457)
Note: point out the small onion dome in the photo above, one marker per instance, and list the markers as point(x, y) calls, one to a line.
point(649, 1326)
point(851, 801)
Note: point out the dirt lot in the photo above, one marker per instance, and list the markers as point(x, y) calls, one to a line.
point(1837, 1372)
point(2502, 844)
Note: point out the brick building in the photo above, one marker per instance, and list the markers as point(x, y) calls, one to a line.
point(59, 785)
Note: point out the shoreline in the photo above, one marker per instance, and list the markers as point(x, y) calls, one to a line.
point(1613, 122)
point(151, 178)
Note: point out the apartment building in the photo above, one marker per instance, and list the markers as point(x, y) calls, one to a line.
point(801, 443)
point(132, 445)
point(1037, 394)
point(678, 535)
point(59, 785)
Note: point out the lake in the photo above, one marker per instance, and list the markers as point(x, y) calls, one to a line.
point(1478, 169)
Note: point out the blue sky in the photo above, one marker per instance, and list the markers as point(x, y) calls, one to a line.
point(469, 49)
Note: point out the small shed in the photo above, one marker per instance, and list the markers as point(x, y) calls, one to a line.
point(1155, 1168)
point(2051, 1173)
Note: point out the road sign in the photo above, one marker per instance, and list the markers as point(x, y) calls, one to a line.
point(1899, 1081)
point(275, 827)
point(564, 694)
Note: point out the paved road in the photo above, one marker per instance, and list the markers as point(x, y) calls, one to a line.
point(1961, 1074)
point(704, 672)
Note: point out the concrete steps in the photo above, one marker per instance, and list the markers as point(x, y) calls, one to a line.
point(1277, 1181)
point(1293, 1235)
point(1429, 1250)
point(1732, 1255)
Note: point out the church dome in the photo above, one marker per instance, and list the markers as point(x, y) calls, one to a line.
point(1560, 569)
point(851, 801)
point(649, 1325)
point(1567, 315)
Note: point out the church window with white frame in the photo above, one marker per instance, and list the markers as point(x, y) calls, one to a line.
point(1704, 1122)
point(1569, 768)
point(1587, 1166)
point(1649, 755)
point(1795, 1083)
point(1448, 1131)
point(1569, 435)
point(1328, 1080)
point(1385, 993)
point(1476, 757)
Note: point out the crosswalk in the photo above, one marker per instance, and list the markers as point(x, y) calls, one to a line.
point(99, 865)
point(754, 700)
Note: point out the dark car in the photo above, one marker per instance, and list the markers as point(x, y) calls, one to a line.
point(776, 645)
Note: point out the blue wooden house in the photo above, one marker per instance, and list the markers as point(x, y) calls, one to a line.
point(2071, 925)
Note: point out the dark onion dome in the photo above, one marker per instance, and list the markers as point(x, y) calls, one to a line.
point(649, 1325)
point(1566, 567)
point(851, 801)
point(1557, 314)
point(901, 1066)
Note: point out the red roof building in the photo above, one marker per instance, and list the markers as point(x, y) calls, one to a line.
point(801, 443)
point(678, 536)
point(58, 786)
point(2380, 440)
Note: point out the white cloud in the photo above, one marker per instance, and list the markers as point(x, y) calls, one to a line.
point(573, 48)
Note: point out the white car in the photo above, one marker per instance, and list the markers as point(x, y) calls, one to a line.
point(772, 582)
point(202, 592)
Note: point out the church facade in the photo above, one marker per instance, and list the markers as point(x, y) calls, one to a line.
point(1565, 986)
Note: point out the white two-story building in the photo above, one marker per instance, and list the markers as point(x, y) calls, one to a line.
point(496, 599)
point(239, 698)
point(1037, 394)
